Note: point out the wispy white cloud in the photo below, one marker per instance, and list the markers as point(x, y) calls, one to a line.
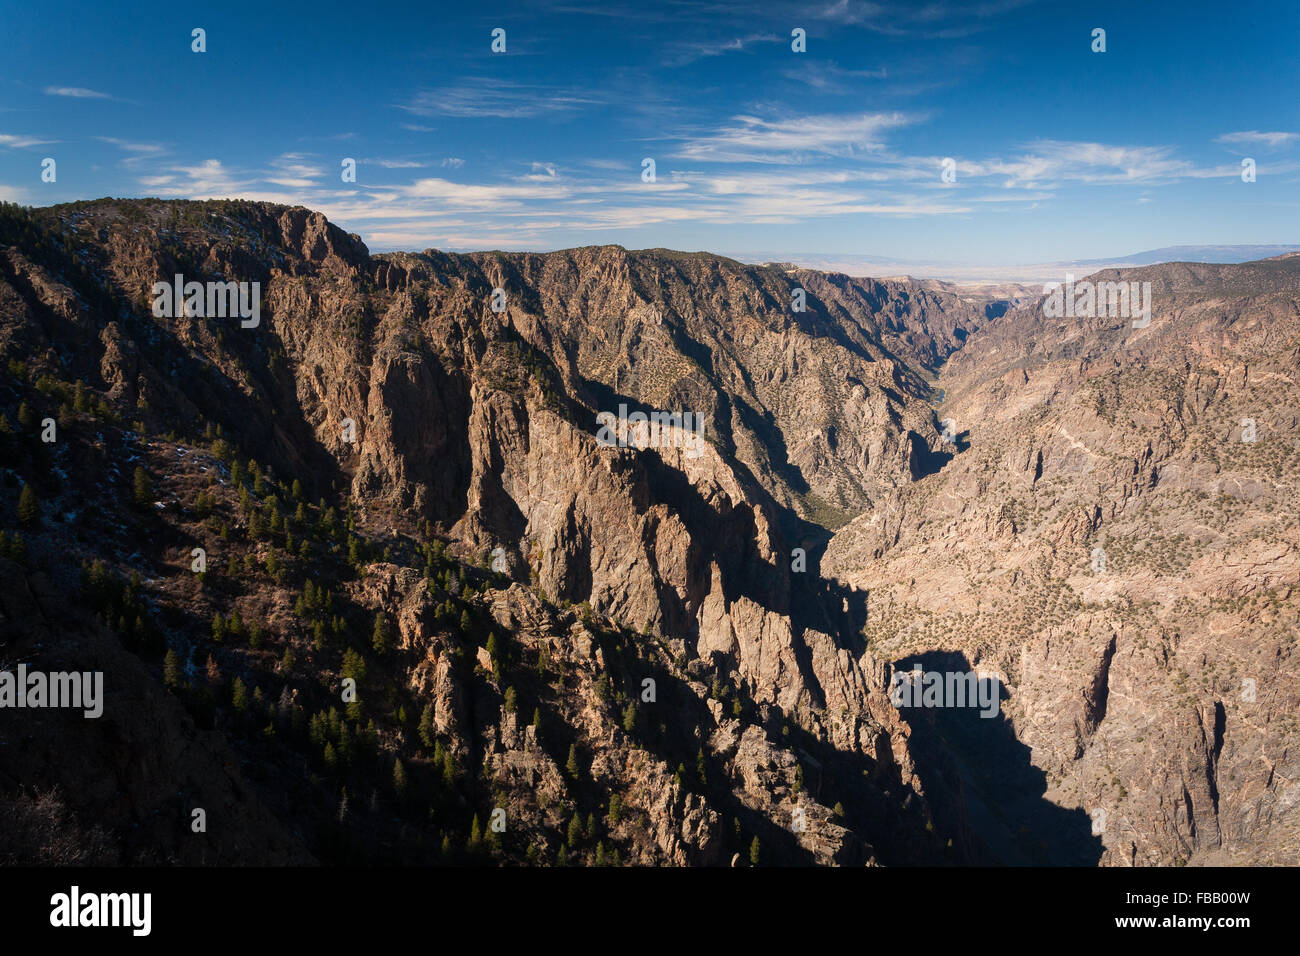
point(131, 147)
point(829, 77)
point(210, 179)
point(939, 19)
point(751, 139)
point(139, 153)
point(1258, 139)
point(294, 171)
point(22, 142)
point(502, 99)
point(1046, 163)
point(393, 163)
point(76, 92)
point(502, 197)
point(685, 52)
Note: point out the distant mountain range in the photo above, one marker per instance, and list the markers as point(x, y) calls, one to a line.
point(1032, 273)
point(1220, 254)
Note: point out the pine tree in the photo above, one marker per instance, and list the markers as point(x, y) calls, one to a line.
point(427, 726)
point(575, 830)
point(449, 769)
point(512, 702)
point(382, 634)
point(296, 490)
point(29, 509)
point(755, 852)
point(142, 491)
point(26, 417)
point(218, 628)
point(172, 669)
point(239, 695)
point(475, 835)
point(572, 764)
point(466, 625)
point(354, 665)
point(399, 780)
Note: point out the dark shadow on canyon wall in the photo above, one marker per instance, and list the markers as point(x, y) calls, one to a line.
point(974, 770)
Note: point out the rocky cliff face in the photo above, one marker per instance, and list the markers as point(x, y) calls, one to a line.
point(569, 652)
point(618, 647)
point(1117, 534)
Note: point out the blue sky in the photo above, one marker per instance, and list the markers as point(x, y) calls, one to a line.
point(1060, 152)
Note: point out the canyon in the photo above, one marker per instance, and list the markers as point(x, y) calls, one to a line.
point(680, 649)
